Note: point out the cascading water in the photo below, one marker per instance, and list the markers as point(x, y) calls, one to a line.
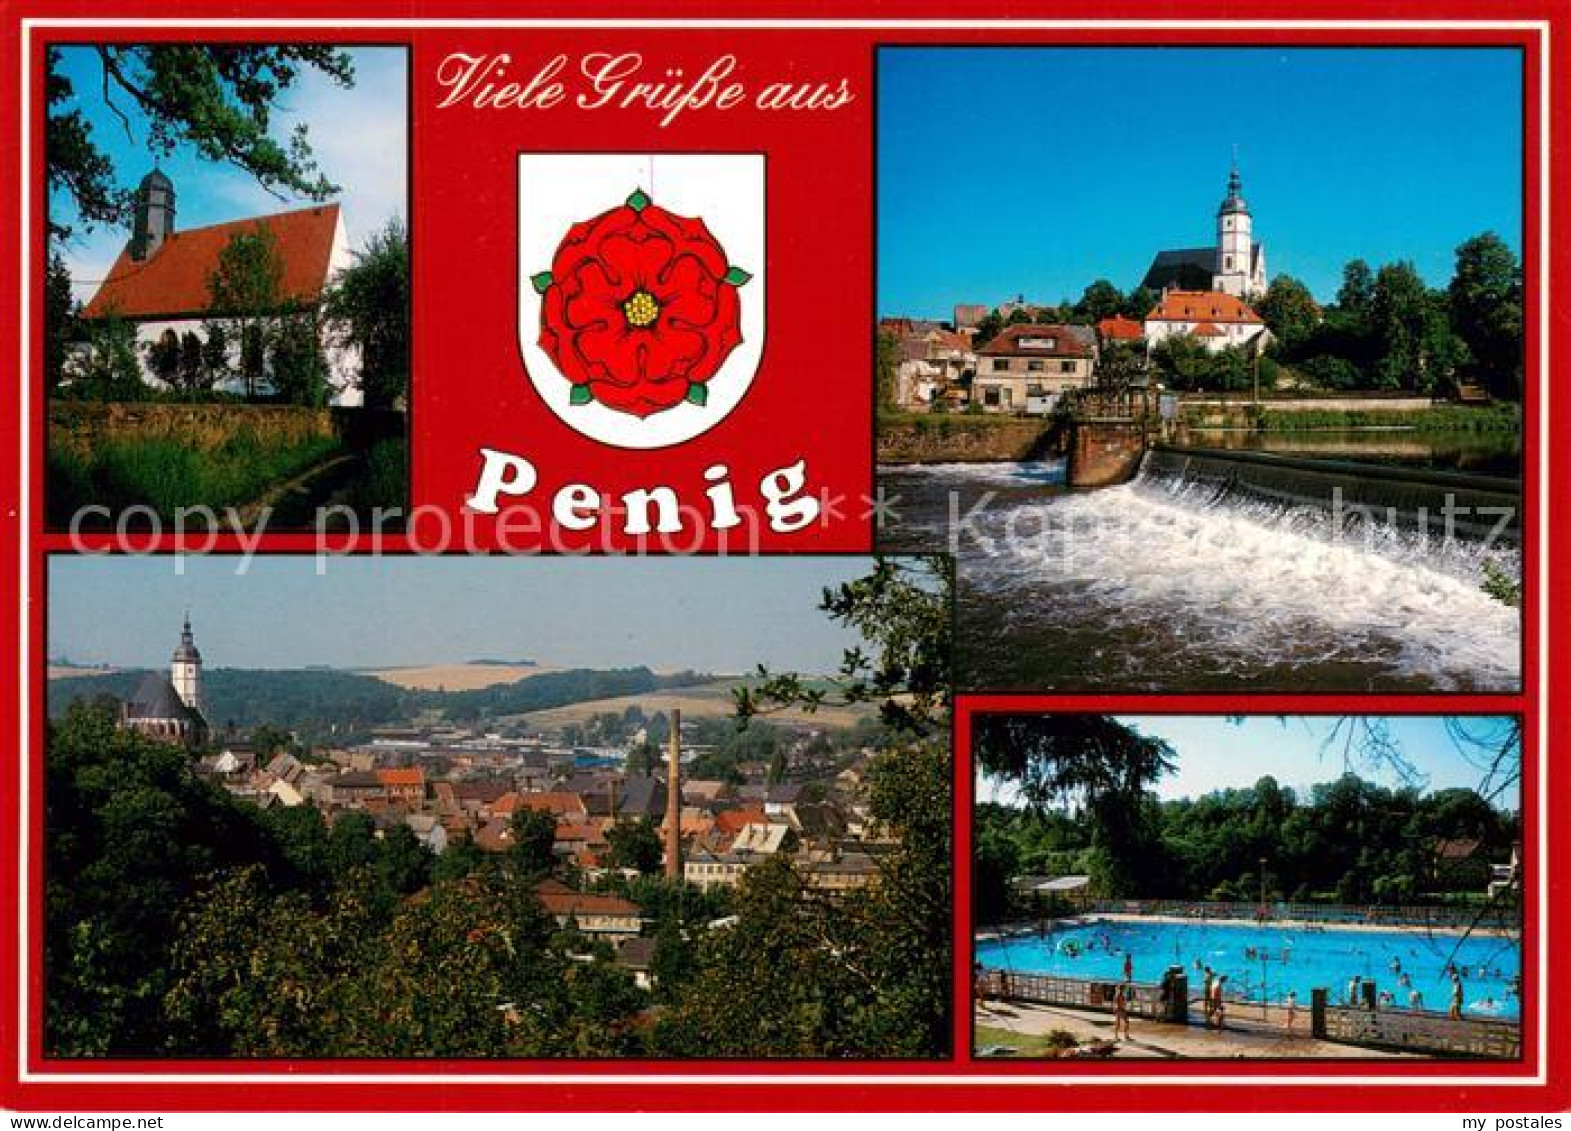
point(1211, 573)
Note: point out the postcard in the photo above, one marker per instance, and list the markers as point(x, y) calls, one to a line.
point(755, 559)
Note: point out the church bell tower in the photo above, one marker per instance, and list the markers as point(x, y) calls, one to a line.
point(1235, 245)
point(153, 221)
point(185, 671)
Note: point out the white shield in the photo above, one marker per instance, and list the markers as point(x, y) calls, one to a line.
point(725, 191)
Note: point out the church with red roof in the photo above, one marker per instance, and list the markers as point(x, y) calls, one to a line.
point(160, 282)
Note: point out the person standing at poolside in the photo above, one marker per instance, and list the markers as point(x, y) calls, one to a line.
point(1292, 1011)
point(1121, 1011)
point(1218, 1004)
point(1456, 997)
point(1205, 994)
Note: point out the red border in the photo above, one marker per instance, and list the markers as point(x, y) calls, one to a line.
point(861, 1088)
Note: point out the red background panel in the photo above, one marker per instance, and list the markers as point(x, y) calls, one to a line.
point(811, 398)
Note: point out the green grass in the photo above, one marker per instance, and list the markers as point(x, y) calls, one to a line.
point(384, 477)
point(1047, 1044)
point(1440, 418)
point(954, 421)
point(164, 474)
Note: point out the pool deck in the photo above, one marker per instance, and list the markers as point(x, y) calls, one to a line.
point(1246, 1039)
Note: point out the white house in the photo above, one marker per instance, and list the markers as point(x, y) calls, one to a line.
point(1212, 318)
point(159, 282)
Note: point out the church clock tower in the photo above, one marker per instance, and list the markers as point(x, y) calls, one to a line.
point(185, 671)
point(1235, 246)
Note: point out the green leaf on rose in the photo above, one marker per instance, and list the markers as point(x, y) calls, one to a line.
point(697, 394)
point(638, 201)
point(736, 276)
point(541, 282)
point(580, 395)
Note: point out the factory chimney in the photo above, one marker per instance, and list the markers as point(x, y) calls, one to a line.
point(673, 800)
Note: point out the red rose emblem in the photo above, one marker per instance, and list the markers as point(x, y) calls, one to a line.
point(639, 309)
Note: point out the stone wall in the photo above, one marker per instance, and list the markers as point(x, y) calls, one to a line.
point(1104, 453)
point(963, 439)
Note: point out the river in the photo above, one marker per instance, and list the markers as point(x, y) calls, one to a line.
point(1172, 584)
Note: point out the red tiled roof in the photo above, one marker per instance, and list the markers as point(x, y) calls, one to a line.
point(411, 776)
point(570, 832)
point(559, 899)
point(950, 340)
point(1065, 342)
point(561, 804)
point(1121, 329)
point(1209, 330)
point(174, 280)
point(734, 820)
point(1196, 306)
point(503, 806)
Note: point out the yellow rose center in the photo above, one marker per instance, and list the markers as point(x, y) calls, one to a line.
point(641, 309)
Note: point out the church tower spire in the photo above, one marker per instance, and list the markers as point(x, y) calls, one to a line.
point(1237, 266)
point(185, 670)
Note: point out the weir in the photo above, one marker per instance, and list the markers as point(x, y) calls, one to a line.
point(1439, 504)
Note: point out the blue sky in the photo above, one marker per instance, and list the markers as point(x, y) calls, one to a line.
point(1219, 753)
point(1003, 171)
point(358, 136)
point(714, 614)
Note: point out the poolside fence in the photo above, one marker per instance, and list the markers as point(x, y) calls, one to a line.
point(1414, 1031)
point(1390, 915)
point(1164, 1001)
point(1399, 1030)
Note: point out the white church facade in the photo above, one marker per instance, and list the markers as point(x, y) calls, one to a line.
point(159, 283)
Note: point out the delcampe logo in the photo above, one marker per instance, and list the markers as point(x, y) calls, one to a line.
point(641, 297)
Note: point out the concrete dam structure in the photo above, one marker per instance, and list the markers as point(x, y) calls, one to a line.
point(1345, 496)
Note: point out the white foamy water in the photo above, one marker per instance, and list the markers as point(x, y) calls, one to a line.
point(1003, 474)
point(1223, 592)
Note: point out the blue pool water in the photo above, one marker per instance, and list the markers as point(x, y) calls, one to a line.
point(1265, 963)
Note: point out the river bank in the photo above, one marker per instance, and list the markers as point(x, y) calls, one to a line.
point(932, 438)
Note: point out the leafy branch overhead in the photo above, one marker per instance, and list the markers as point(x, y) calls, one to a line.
point(901, 609)
point(218, 99)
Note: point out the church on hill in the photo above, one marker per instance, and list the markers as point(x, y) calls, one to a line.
point(170, 708)
point(1235, 265)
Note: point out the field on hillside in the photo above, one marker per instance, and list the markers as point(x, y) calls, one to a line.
point(456, 677)
point(707, 701)
point(71, 671)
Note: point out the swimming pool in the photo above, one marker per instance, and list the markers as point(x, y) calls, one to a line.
point(1264, 963)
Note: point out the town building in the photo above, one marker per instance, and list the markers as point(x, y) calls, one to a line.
point(608, 917)
point(933, 365)
point(1234, 264)
point(1027, 367)
point(1214, 319)
point(160, 282)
